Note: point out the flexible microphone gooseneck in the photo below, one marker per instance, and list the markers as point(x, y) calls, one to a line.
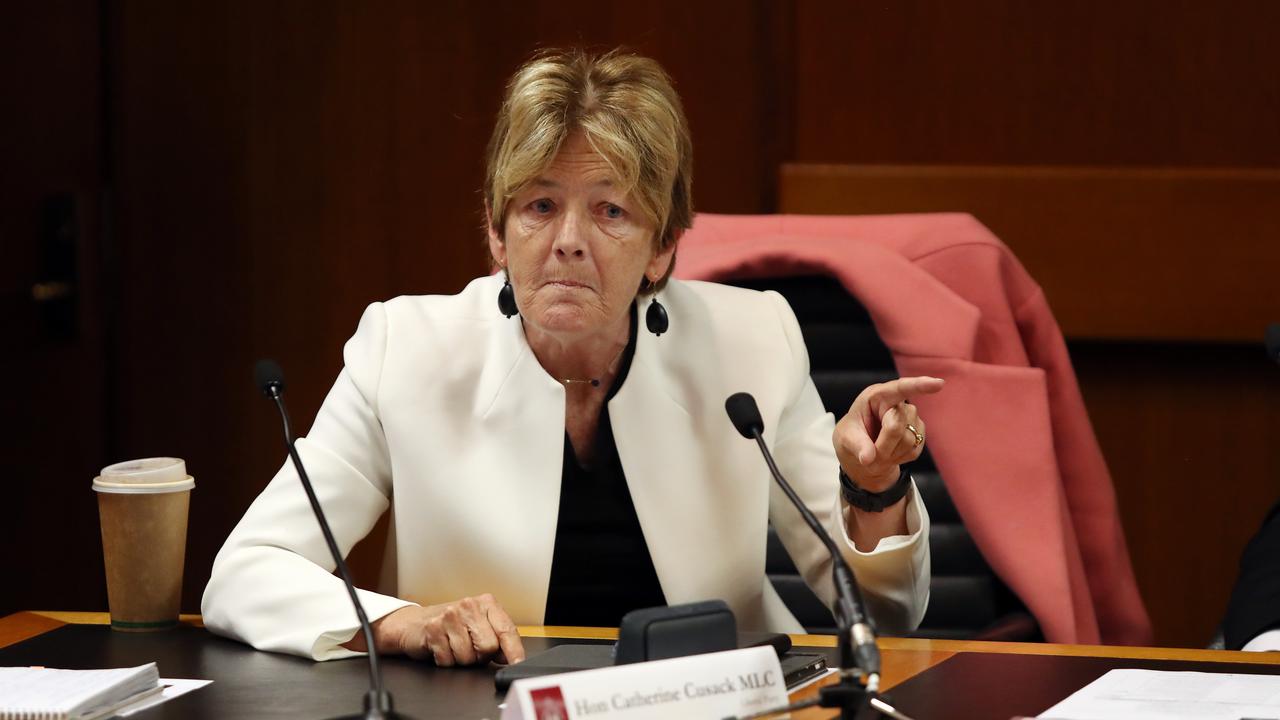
point(858, 650)
point(377, 702)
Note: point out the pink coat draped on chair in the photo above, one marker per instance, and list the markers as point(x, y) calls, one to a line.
point(1010, 433)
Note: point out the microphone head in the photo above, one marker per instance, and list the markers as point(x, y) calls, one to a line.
point(745, 414)
point(1273, 341)
point(268, 376)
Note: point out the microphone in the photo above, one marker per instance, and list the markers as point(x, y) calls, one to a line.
point(377, 702)
point(1273, 342)
point(858, 650)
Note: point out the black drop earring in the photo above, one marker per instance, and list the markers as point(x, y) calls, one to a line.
point(507, 300)
point(655, 318)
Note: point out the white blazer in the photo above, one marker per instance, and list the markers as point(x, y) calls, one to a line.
point(443, 415)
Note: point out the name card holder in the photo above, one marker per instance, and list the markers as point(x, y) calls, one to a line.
point(714, 685)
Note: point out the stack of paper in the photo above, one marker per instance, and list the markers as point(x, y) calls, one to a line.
point(1154, 695)
point(27, 693)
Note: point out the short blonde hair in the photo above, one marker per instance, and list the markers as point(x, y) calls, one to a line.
point(629, 112)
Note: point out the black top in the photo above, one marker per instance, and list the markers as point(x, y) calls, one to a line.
point(601, 568)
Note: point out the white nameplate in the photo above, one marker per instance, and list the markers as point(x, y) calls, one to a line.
point(709, 686)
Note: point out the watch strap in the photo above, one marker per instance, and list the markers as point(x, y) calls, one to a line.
point(872, 501)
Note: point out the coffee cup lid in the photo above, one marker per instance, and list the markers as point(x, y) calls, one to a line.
point(106, 486)
point(147, 471)
point(148, 475)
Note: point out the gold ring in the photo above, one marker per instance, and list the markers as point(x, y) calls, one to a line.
point(917, 433)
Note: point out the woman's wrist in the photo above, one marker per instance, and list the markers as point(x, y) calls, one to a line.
point(388, 633)
point(867, 529)
point(875, 500)
point(874, 482)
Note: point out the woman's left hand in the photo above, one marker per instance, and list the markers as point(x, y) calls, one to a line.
point(882, 431)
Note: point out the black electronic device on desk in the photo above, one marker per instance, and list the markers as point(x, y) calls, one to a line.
point(661, 633)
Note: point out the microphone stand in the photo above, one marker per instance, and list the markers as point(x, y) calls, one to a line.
point(378, 704)
point(856, 642)
point(859, 654)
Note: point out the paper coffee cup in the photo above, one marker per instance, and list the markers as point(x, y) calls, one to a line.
point(142, 508)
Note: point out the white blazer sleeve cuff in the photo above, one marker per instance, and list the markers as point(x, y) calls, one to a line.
point(894, 577)
point(328, 646)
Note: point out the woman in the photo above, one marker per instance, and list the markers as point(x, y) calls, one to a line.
point(549, 455)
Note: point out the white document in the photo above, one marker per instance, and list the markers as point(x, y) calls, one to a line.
point(1158, 694)
point(171, 688)
point(714, 685)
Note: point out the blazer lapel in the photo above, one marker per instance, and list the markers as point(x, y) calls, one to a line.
point(689, 514)
point(522, 409)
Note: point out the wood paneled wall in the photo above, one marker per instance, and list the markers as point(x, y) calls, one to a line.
point(276, 166)
point(1122, 253)
point(281, 165)
point(53, 401)
point(999, 82)
point(1191, 434)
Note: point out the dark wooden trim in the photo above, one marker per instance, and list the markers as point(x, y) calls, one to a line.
point(1122, 253)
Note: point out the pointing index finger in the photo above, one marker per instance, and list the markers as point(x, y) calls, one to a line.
point(898, 391)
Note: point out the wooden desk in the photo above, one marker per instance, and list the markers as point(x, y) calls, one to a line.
point(904, 659)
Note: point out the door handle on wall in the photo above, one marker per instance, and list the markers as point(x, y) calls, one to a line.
point(43, 292)
point(55, 290)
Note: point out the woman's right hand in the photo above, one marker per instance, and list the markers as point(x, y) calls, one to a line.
point(469, 631)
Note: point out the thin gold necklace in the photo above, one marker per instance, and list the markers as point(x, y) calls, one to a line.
point(593, 382)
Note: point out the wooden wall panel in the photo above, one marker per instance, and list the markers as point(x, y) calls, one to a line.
point(1191, 434)
point(1128, 253)
point(52, 407)
point(1008, 82)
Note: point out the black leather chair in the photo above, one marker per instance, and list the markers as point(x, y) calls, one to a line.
point(967, 599)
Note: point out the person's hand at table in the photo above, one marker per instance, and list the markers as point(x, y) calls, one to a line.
point(470, 631)
point(881, 432)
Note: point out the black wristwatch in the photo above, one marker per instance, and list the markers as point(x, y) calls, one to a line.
point(870, 501)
